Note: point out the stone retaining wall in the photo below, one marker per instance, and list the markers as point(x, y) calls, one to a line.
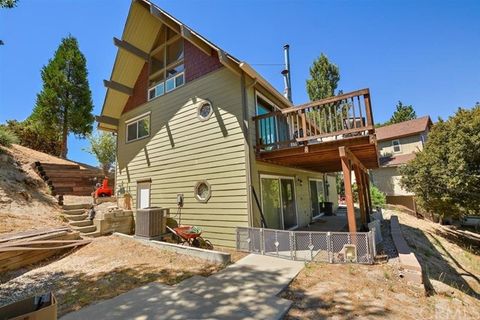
point(114, 221)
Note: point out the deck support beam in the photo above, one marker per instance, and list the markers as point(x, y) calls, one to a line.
point(347, 178)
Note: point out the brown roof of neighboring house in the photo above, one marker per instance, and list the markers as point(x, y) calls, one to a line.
point(392, 161)
point(403, 129)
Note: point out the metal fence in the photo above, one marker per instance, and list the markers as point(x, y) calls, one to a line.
point(332, 247)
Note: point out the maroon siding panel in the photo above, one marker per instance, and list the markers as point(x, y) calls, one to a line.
point(140, 91)
point(197, 63)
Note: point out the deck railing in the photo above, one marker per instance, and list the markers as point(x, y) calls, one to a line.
point(334, 118)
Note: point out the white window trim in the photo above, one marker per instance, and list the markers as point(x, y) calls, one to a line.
point(399, 146)
point(164, 83)
point(258, 94)
point(135, 120)
point(310, 189)
point(269, 176)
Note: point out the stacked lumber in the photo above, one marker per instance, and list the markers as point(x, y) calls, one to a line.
point(21, 249)
point(68, 179)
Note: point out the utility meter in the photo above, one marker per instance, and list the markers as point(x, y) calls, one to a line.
point(180, 200)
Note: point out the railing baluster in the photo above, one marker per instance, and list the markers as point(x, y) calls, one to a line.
point(360, 110)
point(354, 118)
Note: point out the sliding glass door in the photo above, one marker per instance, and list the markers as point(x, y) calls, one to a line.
point(317, 196)
point(279, 202)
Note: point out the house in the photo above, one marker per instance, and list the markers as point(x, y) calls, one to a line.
point(398, 144)
point(198, 126)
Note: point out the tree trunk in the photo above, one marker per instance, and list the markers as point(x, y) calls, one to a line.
point(64, 150)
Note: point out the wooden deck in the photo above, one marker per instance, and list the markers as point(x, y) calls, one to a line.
point(329, 135)
point(309, 136)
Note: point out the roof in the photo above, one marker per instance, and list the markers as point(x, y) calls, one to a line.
point(141, 28)
point(393, 161)
point(403, 129)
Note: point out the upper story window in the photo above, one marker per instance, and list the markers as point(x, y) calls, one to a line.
point(138, 128)
point(166, 63)
point(396, 146)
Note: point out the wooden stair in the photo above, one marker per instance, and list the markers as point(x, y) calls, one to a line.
point(68, 179)
point(77, 216)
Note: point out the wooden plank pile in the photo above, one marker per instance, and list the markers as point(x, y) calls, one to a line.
point(25, 248)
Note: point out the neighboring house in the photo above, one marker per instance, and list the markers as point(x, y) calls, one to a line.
point(193, 121)
point(398, 144)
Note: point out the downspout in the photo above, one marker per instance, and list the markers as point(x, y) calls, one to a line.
point(245, 129)
point(115, 134)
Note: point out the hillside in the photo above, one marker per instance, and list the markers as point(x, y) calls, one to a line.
point(25, 200)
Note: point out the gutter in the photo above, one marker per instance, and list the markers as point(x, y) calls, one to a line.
point(258, 78)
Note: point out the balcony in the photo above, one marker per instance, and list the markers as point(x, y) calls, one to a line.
point(309, 136)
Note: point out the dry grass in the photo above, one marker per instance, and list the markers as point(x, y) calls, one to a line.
point(376, 292)
point(103, 269)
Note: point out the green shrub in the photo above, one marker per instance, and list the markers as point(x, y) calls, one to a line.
point(377, 196)
point(35, 136)
point(7, 137)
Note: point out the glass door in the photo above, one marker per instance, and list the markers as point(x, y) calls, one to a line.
point(289, 204)
point(278, 202)
point(316, 197)
point(272, 209)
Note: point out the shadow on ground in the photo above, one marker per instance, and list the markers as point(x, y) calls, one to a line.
point(432, 257)
point(77, 289)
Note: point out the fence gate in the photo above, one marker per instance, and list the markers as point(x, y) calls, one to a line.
point(332, 247)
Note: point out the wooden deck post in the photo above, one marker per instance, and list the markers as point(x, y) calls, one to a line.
point(347, 179)
point(361, 194)
point(369, 197)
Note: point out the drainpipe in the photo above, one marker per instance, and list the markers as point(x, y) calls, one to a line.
point(286, 73)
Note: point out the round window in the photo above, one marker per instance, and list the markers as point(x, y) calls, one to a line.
point(202, 191)
point(205, 111)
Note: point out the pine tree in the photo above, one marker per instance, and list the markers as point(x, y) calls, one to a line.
point(65, 103)
point(402, 113)
point(324, 79)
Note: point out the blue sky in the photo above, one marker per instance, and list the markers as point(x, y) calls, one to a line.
point(425, 53)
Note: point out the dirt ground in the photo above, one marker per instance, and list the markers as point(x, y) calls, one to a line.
point(376, 292)
point(25, 202)
point(103, 269)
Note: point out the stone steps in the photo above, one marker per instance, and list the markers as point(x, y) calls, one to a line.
point(76, 206)
point(74, 212)
point(93, 234)
point(85, 229)
point(81, 223)
point(77, 215)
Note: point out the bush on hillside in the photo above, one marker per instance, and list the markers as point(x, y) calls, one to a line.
point(7, 138)
point(34, 137)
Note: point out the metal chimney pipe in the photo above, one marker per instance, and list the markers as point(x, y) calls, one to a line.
point(286, 73)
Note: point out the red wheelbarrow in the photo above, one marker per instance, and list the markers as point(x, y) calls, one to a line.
point(190, 235)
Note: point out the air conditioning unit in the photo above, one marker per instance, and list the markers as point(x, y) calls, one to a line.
point(150, 222)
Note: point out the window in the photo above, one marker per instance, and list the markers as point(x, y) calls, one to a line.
point(166, 64)
point(202, 191)
point(396, 146)
point(204, 111)
point(138, 128)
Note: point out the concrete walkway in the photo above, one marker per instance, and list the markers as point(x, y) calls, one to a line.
point(245, 290)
